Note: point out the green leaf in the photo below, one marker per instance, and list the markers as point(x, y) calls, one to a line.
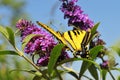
point(93, 70)
point(54, 74)
point(70, 71)
point(36, 73)
point(93, 53)
point(73, 74)
point(4, 32)
point(11, 36)
point(84, 67)
point(8, 52)
point(116, 48)
point(27, 39)
point(54, 56)
point(93, 30)
point(8, 33)
point(37, 78)
point(104, 72)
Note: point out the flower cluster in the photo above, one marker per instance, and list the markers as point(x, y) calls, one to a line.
point(42, 45)
point(105, 65)
point(75, 15)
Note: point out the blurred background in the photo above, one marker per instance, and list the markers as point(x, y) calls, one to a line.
point(47, 11)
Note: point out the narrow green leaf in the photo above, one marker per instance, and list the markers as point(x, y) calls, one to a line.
point(93, 31)
point(73, 74)
point(54, 74)
point(8, 52)
point(84, 67)
point(70, 71)
point(54, 56)
point(104, 72)
point(11, 36)
point(27, 39)
point(93, 53)
point(4, 32)
point(93, 70)
point(37, 78)
point(36, 73)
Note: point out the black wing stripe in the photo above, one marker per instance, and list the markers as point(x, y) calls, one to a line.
point(85, 39)
point(74, 33)
point(78, 32)
point(70, 35)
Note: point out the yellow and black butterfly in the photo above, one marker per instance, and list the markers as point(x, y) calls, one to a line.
point(76, 40)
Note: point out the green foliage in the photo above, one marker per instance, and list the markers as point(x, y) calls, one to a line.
point(85, 65)
point(94, 29)
point(116, 48)
point(93, 71)
point(54, 56)
point(8, 52)
point(104, 72)
point(8, 33)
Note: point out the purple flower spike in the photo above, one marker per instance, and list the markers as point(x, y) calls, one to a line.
point(75, 15)
point(44, 43)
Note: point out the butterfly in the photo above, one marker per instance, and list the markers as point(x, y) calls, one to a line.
point(75, 40)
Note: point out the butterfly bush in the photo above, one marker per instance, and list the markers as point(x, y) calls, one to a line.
point(77, 18)
point(42, 44)
point(75, 15)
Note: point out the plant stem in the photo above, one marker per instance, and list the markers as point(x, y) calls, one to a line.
point(111, 75)
point(58, 73)
point(36, 67)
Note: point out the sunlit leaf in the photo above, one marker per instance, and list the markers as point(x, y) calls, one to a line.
point(93, 70)
point(4, 32)
point(93, 30)
point(27, 39)
point(8, 52)
point(11, 36)
point(116, 48)
point(8, 33)
point(94, 51)
point(54, 56)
